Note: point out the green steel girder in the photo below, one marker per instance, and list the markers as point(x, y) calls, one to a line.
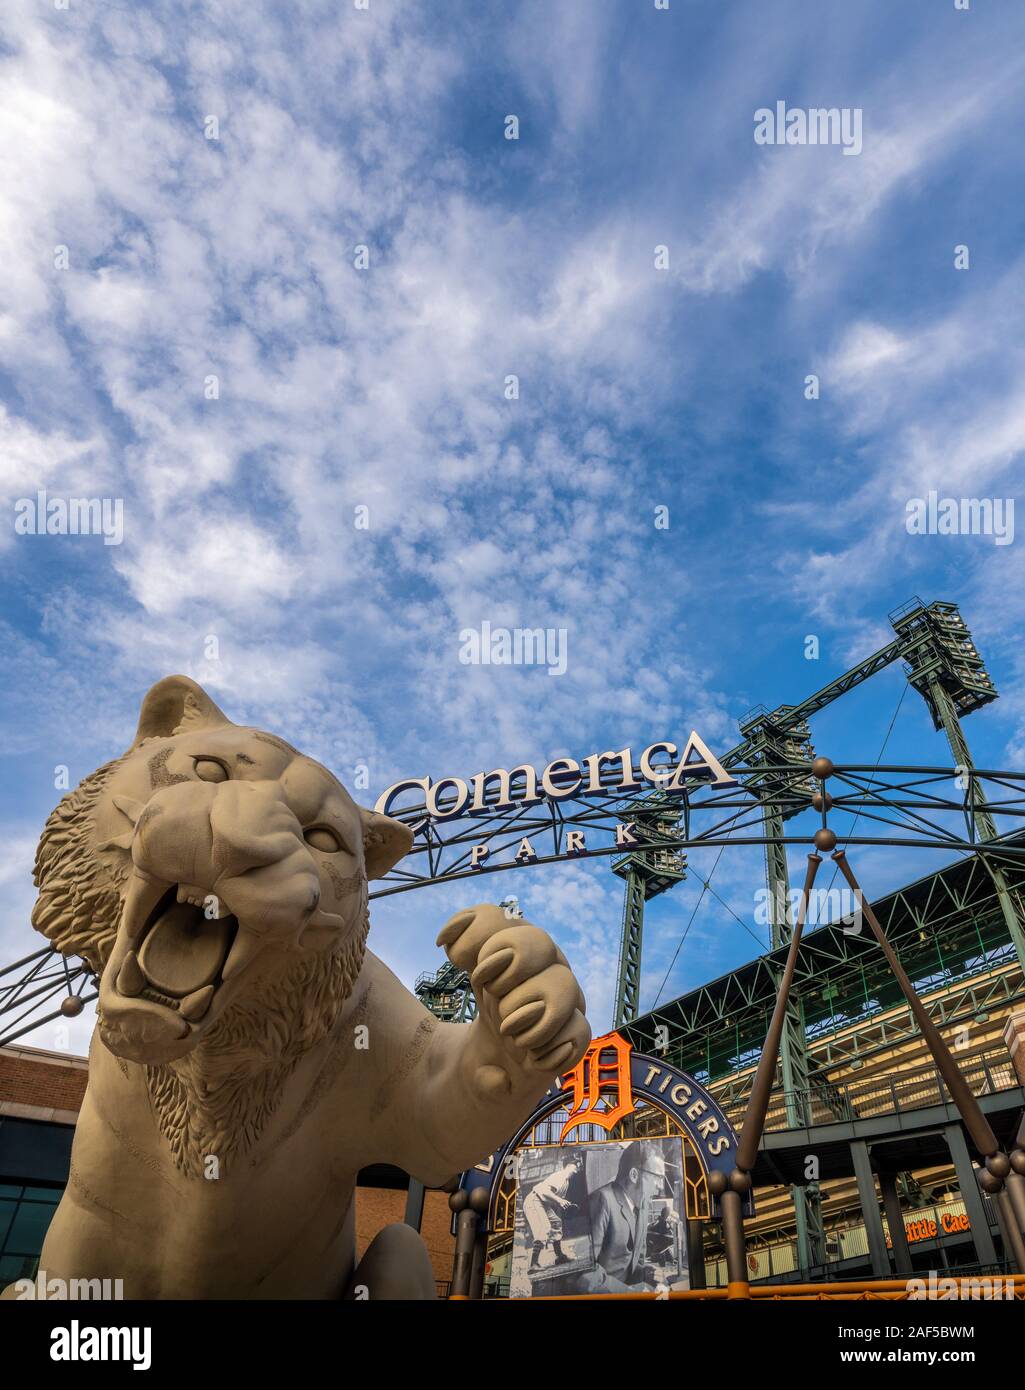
point(943, 664)
point(841, 976)
point(447, 993)
point(648, 872)
point(783, 736)
point(944, 702)
point(910, 637)
point(629, 978)
point(927, 638)
point(948, 672)
point(722, 1027)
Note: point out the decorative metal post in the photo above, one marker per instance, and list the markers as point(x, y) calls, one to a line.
point(469, 1207)
point(732, 1190)
point(998, 1165)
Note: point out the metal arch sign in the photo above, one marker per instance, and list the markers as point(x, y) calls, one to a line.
point(652, 1079)
point(662, 765)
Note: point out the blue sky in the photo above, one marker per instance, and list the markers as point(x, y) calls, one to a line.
point(640, 387)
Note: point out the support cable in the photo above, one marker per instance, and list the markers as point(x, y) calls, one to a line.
point(705, 887)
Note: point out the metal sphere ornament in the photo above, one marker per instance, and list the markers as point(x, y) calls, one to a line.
point(999, 1165)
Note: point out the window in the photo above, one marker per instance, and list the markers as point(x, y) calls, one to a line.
point(25, 1216)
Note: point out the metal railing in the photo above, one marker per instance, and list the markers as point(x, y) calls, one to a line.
point(895, 1093)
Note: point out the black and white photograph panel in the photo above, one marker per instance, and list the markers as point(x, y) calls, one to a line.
point(600, 1218)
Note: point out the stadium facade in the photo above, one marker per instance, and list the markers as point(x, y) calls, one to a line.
point(865, 1167)
point(874, 1138)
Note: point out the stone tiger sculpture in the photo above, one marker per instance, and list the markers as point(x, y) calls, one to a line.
point(251, 1055)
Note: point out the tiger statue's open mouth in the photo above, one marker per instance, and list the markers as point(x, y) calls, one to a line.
point(181, 955)
point(177, 955)
point(175, 966)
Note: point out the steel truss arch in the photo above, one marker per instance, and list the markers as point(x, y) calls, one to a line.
point(918, 807)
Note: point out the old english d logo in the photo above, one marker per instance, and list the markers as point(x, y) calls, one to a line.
point(603, 1073)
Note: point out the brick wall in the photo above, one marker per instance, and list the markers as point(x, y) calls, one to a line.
point(377, 1207)
point(41, 1085)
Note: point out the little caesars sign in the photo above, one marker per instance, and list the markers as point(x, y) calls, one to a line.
point(662, 765)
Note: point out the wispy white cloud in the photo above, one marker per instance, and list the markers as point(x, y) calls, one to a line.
point(213, 355)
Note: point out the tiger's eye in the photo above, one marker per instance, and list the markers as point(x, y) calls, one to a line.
point(324, 840)
point(210, 770)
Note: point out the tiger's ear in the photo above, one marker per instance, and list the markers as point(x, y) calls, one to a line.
point(385, 841)
point(176, 705)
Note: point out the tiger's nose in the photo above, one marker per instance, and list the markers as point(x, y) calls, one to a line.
point(253, 825)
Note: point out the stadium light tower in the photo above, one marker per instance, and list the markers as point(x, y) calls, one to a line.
point(943, 664)
point(945, 667)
